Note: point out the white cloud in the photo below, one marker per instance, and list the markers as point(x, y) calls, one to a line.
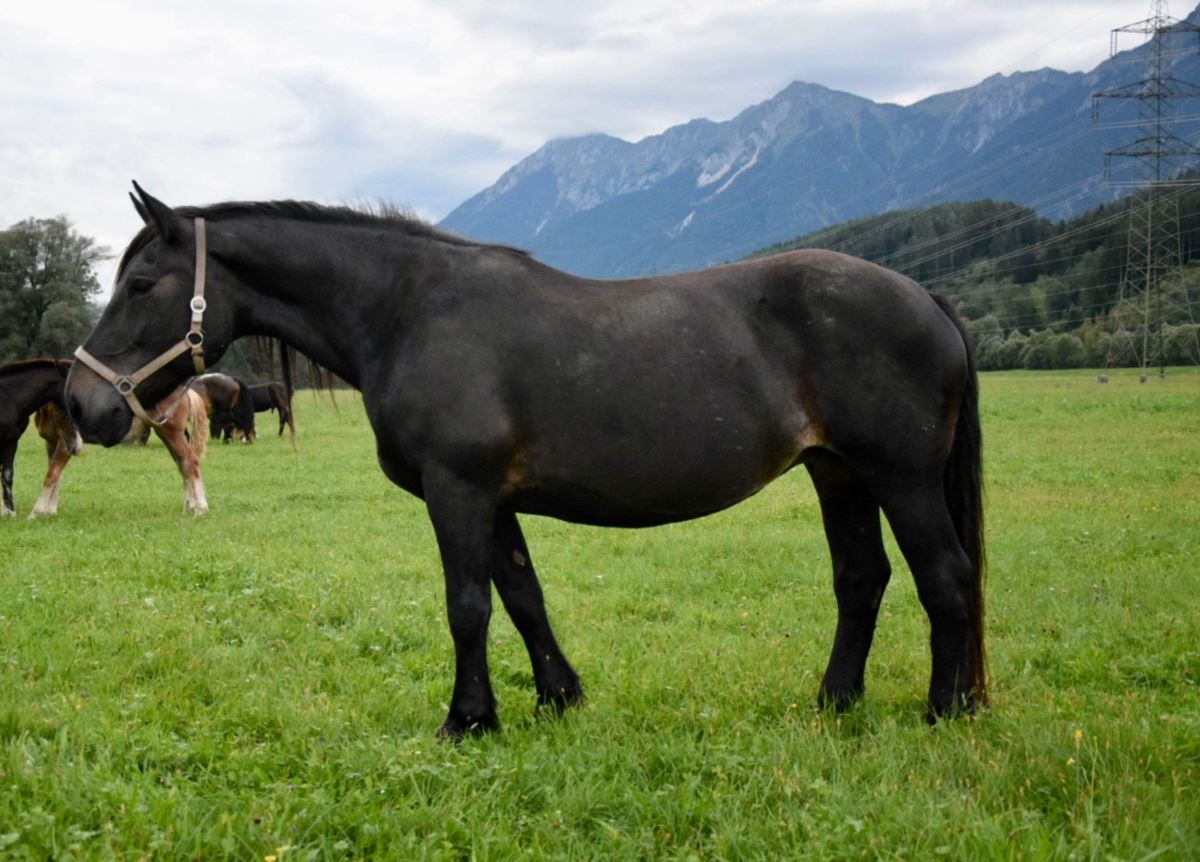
point(425, 102)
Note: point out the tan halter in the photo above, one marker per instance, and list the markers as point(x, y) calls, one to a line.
point(193, 341)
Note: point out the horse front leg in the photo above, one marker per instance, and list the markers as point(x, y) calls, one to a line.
point(47, 501)
point(194, 501)
point(556, 682)
point(7, 455)
point(463, 515)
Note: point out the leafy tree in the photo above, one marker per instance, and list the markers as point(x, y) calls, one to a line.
point(46, 283)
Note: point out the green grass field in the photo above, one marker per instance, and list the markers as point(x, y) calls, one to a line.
point(265, 683)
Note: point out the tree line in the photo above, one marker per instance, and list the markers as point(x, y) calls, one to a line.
point(47, 288)
point(48, 294)
point(1037, 293)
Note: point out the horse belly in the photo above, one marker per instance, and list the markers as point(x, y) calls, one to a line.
point(646, 467)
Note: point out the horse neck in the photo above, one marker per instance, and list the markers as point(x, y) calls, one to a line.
point(326, 289)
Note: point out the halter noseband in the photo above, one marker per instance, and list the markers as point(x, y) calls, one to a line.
point(193, 341)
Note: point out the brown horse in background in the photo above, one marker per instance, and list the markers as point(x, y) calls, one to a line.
point(184, 431)
point(24, 388)
point(274, 396)
point(30, 386)
point(229, 407)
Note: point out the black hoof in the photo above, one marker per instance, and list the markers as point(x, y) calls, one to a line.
point(559, 700)
point(455, 729)
point(960, 706)
point(839, 699)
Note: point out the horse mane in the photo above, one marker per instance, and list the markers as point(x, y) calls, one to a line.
point(383, 215)
point(19, 366)
point(378, 215)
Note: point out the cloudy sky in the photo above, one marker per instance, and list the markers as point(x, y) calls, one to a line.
point(425, 102)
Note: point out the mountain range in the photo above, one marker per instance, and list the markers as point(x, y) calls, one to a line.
point(707, 192)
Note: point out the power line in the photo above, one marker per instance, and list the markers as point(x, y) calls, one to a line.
point(1153, 247)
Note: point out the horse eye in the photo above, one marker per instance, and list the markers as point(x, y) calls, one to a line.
point(141, 284)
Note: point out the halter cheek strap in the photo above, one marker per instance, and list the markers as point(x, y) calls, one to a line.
point(193, 341)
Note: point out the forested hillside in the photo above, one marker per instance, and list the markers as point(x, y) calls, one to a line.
point(1037, 294)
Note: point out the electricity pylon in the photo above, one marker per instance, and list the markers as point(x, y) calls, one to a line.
point(1158, 157)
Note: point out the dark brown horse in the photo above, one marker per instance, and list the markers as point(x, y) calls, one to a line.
point(496, 385)
point(229, 408)
point(25, 388)
point(277, 397)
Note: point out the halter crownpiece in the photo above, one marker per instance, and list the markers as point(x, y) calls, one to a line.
point(193, 341)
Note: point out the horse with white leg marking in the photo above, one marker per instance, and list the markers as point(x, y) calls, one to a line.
point(183, 428)
point(497, 385)
point(62, 440)
point(24, 388)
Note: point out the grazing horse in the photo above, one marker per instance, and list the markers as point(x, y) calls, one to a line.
point(496, 385)
point(183, 428)
point(229, 406)
point(183, 431)
point(274, 396)
point(25, 387)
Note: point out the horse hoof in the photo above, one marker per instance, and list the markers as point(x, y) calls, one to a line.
point(8, 513)
point(558, 701)
point(963, 706)
point(455, 730)
point(839, 699)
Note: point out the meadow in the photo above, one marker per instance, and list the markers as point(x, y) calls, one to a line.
point(265, 683)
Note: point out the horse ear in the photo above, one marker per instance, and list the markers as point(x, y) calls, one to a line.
point(170, 226)
point(141, 210)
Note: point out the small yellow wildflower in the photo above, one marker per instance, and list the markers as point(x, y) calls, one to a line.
point(1078, 737)
point(1070, 762)
point(270, 857)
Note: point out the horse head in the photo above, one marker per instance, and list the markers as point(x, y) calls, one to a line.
point(142, 347)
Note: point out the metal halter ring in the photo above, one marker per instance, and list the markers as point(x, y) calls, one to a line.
point(124, 385)
point(198, 304)
point(194, 338)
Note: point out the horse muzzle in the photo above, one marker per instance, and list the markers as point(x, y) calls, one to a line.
point(96, 408)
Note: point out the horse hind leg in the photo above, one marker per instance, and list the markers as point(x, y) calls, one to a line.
point(557, 684)
point(860, 575)
point(949, 589)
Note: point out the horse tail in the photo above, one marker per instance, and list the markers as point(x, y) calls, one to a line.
point(963, 485)
point(198, 416)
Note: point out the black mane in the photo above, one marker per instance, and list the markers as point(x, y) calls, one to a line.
point(383, 215)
